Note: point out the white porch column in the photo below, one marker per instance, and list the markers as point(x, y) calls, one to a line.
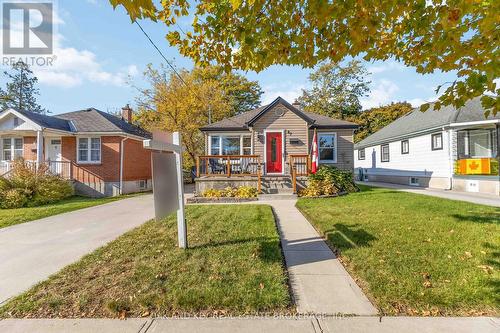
point(39, 148)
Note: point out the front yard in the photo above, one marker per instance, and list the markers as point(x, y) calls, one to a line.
point(233, 266)
point(10, 217)
point(415, 254)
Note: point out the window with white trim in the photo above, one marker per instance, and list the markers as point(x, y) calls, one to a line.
point(405, 147)
point(384, 153)
point(215, 145)
point(12, 148)
point(230, 145)
point(437, 141)
point(327, 147)
point(361, 154)
point(246, 143)
point(89, 150)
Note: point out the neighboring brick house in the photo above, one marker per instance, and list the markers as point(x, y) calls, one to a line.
point(271, 146)
point(100, 152)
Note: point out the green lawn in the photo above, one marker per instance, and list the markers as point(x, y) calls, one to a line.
point(233, 266)
point(415, 254)
point(10, 217)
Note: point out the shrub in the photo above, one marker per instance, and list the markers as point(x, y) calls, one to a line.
point(31, 186)
point(51, 189)
point(329, 180)
point(231, 192)
point(246, 192)
point(14, 198)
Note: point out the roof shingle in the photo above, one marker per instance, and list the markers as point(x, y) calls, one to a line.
point(417, 121)
point(240, 122)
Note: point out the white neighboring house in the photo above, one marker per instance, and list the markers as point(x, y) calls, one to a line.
point(454, 149)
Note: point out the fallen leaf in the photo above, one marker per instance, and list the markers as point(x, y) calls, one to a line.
point(261, 285)
point(123, 314)
point(145, 314)
point(449, 257)
point(468, 254)
point(483, 252)
point(427, 284)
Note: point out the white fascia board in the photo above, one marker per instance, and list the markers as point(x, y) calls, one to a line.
point(476, 123)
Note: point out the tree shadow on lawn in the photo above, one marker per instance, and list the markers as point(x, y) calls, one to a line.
point(493, 260)
point(345, 237)
point(268, 249)
point(493, 218)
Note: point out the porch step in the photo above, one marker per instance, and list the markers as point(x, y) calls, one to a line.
point(276, 185)
point(268, 197)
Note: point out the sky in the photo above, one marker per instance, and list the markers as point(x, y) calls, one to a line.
point(100, 56)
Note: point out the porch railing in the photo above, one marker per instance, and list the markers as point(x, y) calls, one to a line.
point(300, 165)
point(229, 166)
point(61, 168)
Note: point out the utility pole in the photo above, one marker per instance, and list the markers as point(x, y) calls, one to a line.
point(209, 114)
point(21, 90)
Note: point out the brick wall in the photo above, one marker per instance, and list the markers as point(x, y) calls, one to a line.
point(136, 161)
point(29, 143)
point(109, 168)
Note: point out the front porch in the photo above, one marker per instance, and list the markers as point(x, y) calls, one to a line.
point(221, 171)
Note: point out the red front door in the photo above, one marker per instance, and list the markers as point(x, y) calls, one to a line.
point(274, 142)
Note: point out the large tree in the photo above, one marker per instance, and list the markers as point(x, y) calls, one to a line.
point(372, 120)
point(435, 35)
point(21, 91)
point(244, 94)
point(336, 90)
point(184, 102)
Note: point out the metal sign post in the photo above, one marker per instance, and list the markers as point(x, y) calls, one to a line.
point(168, 182)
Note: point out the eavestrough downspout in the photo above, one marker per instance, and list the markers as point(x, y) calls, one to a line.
point(121, 163)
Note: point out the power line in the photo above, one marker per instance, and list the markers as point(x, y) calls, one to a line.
point(161, 53)
point(173, 69)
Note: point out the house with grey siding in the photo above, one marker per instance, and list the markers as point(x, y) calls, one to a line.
point(270, 148)
point(453, 149)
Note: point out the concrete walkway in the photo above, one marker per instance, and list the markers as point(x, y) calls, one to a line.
point(320, 284)
point(31, 252)
point(249, 325)
point(477, 198)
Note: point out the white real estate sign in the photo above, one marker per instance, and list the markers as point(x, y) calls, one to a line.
point(168, 184)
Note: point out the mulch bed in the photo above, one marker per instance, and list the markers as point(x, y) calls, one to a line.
point(219, 200)
point(327, 196)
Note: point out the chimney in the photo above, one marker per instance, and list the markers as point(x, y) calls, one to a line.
point(127, 113)
point(297, 105)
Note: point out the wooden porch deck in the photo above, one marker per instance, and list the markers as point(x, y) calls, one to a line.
point(247, 167)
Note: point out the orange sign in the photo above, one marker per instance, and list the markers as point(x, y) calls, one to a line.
point(474, 166)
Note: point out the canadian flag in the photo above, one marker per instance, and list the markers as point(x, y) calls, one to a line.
point(314, 162)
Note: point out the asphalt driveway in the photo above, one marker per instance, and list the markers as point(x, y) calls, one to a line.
point(31, 252)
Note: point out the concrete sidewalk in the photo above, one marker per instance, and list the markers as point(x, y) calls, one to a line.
point(299, 325)
point(477, 198)
point(320, 284)
point(31, 252)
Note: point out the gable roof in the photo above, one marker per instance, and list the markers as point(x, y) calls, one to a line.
point(84, 121)
point(93, 120)
point(46, 121)
point(417, 121)
point(245, 120)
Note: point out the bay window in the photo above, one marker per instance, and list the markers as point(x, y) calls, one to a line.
point(89, 150)
point(12, 148)
point(230, 145)
point(327, 146)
